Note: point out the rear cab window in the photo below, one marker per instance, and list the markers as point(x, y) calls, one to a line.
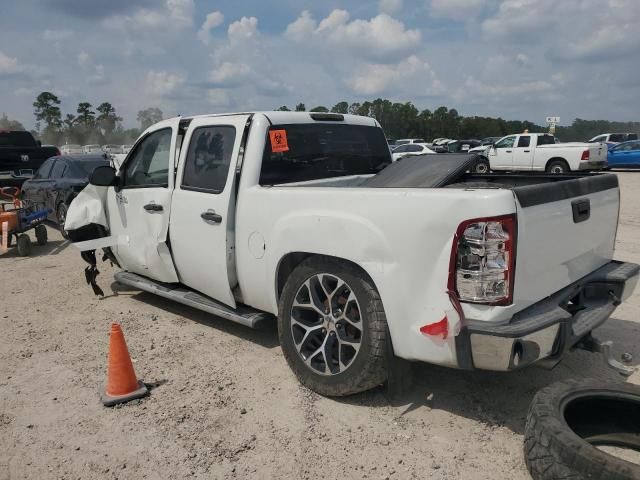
point(546, 140)
point(303, 152)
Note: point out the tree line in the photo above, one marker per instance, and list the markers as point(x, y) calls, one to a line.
point(102, 125)
point(86, 125)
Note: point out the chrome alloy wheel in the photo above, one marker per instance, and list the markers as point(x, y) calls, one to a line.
point(326, 324)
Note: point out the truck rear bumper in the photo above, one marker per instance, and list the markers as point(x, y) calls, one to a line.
point(550, 327)
point(595, 165)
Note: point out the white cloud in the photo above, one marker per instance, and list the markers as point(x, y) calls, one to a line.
point(382, 37)
point(181, 12)
point(390, 6)
point(217, 97)
point(163, 83)
point(244, 29)
point(229, 74)
point(83, 58)
point(8, 65)
point(213, 20)
point(56, 35)
point(302, 28)
point(410, 74)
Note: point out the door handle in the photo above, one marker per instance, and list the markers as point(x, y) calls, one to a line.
point(527, 151)
point(211, 216)
point(508, 151)
point(153, 207)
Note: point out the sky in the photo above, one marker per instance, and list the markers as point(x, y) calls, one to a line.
point(518, 59)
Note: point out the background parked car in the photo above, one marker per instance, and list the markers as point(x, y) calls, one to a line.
point(614, 138)
point(624, 155)
point(489, 140)
point(410, 149)
point(462, 146)
point(126, 148)
point(88, 149)
point(71, 149)
point(405, 141)
point(58, 181)
point(20, 156)
point(113, 148)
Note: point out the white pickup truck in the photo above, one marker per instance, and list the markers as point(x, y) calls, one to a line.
point(303, 216)
point(539, 152)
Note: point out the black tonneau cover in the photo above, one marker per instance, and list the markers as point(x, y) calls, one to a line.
point(422, 171)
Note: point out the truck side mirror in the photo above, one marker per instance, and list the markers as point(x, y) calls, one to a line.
point(103, 176)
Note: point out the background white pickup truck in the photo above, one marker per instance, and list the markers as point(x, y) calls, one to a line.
point(303, 216)
point(539, 152)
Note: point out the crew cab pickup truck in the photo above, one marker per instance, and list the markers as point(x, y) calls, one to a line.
point(20, 156)
point(304, 217)
point(540, 152)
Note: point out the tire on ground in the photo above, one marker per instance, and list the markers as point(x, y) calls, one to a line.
point(559, 165)
point(481, 166)
point(23, 245)
point(369, 367)
point(567, 419)
point(41, 234)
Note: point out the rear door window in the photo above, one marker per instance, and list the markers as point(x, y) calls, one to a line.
point(58, 169)
point(617, 137)
point(207, 164)
point(524, 141)
point(44, 170)
point(303, 152)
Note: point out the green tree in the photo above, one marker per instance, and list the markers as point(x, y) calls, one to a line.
point(283, 108)
point(340, 107)
point(86, 117)
point(46, 110)
point(107, 121)
point(319, 108)
point(301, 107)
point(148, 117)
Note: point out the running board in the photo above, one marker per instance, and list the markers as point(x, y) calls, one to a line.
point(177, 292)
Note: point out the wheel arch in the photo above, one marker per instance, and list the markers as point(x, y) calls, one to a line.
point(288, 263)
point(557, 159)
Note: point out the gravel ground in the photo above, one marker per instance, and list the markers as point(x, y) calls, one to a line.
point(224, 403)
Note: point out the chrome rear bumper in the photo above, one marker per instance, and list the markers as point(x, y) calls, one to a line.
point(550, 327)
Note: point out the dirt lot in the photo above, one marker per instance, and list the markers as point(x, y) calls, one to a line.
point(225, 404)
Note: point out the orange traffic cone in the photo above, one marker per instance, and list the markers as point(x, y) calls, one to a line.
point(122, 384)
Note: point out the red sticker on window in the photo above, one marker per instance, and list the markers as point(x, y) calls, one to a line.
point(278, 141)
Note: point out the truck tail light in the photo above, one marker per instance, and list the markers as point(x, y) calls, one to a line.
point(482, 264)
point(585, 155)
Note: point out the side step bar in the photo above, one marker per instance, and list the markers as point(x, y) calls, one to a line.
point(243, 315)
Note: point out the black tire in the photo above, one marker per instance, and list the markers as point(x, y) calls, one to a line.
point(61, 216)
point(481, 166)
point(368, 367)
point(558, 167)
point(567, 419)
point(24, 245)
point(41, 234)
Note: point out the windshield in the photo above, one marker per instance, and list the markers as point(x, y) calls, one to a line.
point(302, 152)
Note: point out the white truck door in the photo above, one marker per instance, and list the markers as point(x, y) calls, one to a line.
point(138, 212)
point(203, 206)
point(501, 155)
point(523, 153)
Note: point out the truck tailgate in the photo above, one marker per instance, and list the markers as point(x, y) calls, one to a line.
point(566, 229)
point(598, 152)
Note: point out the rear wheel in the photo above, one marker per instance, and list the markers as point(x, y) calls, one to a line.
point(332, 328)
point(41, 234)
point(557, 167)
point(23, 244)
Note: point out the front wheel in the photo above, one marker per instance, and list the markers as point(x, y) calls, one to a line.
point(24, 245)
point(481, 166)
point(332, 328)
point(41, 234)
